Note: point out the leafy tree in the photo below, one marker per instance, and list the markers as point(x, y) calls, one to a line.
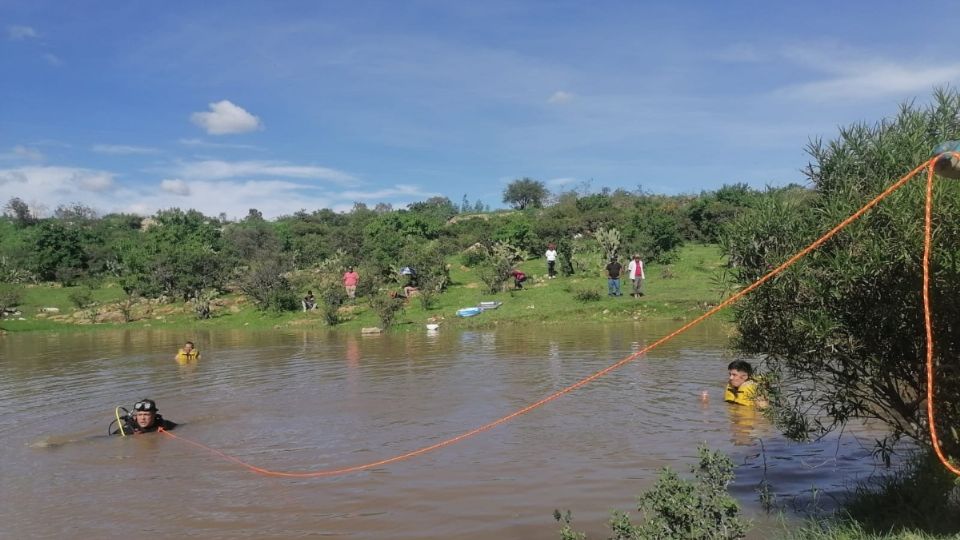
point(439, 207)
point(517, 230)
point(20, 212)
point(710, 212)
point(385, 235)
point(660, 238)
point(494, 271)
point(180, 256)
point(331, 296)
point(386, 307)
point(525, 193)
point(75, 213)
point(15, 251)
point(10, 297)
point(428, 259)
point(842, 330)
point(57, 251)
point(243, 240)
point(266, 284)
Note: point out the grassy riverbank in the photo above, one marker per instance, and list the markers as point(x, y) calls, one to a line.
point(681, 290)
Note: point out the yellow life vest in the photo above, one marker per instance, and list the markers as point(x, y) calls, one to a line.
point(184, 356)
point(744, 395)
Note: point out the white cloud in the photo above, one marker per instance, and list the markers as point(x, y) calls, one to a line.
point(123, 150)
point(208, 144)
point(21, 152)
point(175, 186)
point(216, 170)
point(19, 33)
point(559, 97)
point(853, 76)
point(561, 182)
point(28, 153)
point(55, 185)
point(234, 197)
point(52, 59)
point(96, 182)
point(402, 190)
point(226, 118)
point(878, 80)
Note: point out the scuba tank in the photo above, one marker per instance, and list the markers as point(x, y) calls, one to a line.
point(124, 422)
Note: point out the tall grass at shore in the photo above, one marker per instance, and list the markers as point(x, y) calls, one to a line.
point(919, 501)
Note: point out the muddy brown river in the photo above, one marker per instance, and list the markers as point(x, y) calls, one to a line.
point(312, 400)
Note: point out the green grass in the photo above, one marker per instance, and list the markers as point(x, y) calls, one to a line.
point(919, 501)
point(679, 291)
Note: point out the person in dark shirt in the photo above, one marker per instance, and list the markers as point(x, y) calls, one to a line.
point(309, 302)
point(144, 419)
point(613, 277)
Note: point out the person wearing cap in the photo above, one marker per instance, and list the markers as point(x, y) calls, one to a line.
point(144, 419)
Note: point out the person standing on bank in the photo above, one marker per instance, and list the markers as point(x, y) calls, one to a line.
point(551, 256)
point(635, 270)
point(613, 277)
point(350, 280)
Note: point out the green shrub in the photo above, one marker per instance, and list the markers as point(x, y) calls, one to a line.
point(473, 257)
point(331, 296)
point(10, 297)
point(586, 295)
point(386, 307)
point(494, 271)
point(81, 298)
point(266, 285)
point(678, 509)
point(428, 291)
point(843, 328)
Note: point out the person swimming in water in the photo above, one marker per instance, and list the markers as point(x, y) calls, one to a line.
point(741, 389)
point(187, 353)
point(144, 419)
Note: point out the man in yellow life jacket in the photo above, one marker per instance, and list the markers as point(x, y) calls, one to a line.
point(741, 389)
point(187, 353)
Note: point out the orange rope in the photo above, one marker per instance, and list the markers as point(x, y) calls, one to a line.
point(927, 316)
point(490, 425)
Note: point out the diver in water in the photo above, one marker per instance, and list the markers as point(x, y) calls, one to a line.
point(143, 419)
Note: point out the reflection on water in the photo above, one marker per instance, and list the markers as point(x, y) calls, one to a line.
point(310, 401)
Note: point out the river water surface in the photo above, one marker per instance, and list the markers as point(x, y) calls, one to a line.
point(312, 400)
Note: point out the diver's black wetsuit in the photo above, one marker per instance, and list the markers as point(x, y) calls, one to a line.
point(130, 426)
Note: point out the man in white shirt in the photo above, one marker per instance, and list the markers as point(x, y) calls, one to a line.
point(635, 268)
point(551, 256)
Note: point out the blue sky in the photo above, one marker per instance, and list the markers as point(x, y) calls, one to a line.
point(226, 106)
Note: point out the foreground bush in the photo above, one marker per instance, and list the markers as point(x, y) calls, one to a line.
point(386, 307)
point(678, 509)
